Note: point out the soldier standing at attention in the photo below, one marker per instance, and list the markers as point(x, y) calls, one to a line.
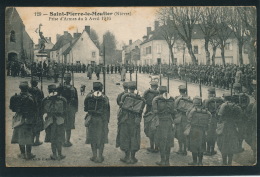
point(128, 137)
point(228, 135)
point(181, 120)
point(212, 104)
point(55, 107)
point(149, 118)
point(199, 119)
point(70, 93)
point(38, 96)
point(97, 106)
point(23, 122)
point(163, 108)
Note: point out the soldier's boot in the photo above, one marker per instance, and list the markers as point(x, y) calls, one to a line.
point(29, 154)
point(37, 140)
point(54, 152)
point(100, 154)
point(94, 152)
point(67, 142)
point(180, 148)
point(59, 149)
point(207, 153)
point(195, 159)
point(200, 155)
point(224, 158)
point(126, 158)
point(163, 159)
point(22, 150)
point(151, 148)
point(230, 158)
point(133, 160)
point(167, 156)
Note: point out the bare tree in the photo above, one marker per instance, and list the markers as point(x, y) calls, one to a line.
point(167, 29)
point(184, 20)
point(208, 26)
point(214, 42)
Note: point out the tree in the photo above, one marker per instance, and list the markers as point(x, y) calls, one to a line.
point(110, 47)
point(214, 42)
point(167, 29)
point(238, 27)
point(208, 26)
point(184, 19)
point(94, 37)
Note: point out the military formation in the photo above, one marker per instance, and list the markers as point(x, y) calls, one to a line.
point(197, 124)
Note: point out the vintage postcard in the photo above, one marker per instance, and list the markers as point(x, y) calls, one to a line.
point(131, 86)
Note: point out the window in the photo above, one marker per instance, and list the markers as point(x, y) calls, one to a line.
point(93, 54)
point(196, 49)
point(12, 36)
point(158, 48)
point(148, 50)
point(228, 46)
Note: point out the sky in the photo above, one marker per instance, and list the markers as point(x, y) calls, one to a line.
point(124, 26)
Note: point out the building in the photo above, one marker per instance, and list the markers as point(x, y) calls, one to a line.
point(154, 49)
point(131, 52)
point(18, 43)
point(82, 49)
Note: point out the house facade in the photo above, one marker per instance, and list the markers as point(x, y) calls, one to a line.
point(131, 52)
point(18, 44)
point(154, 49)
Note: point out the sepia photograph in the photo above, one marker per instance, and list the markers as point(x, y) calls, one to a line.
point(131, 86)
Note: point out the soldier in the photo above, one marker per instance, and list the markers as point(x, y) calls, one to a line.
point(228, 136)
point(56, 73)
point(90, 71)
point(118, 99)
point(163, 108)
point(55, 107)
point(97, 106)
point(23, 122)
point(112, 69)
point(123, 73)
point(38, 96)
point(242, 100)
point(107, 69)
point(180, 120)
point(198, 119)
point(128, 138)
point(70, 93)
point(97, 71)
point(149, 117)
point(212, 104)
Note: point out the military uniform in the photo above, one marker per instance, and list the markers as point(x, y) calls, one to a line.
point(38, 96)
point(55, 107)
point(70, 93)
point(24, 106)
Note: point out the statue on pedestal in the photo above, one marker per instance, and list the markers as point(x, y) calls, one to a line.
point(42, 41)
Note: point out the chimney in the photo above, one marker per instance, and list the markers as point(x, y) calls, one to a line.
point(144, 38)
point(76, 35)
point(130, 41)
point(50, 39)
point(156, 25)
point(57, 37)
point(149, 29)
point(87, 29)
point(66, 32)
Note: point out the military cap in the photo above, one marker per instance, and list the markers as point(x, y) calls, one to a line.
point(131, 85)
point(211, 90)
point(67, 75)
point(97, 85)
point(23, 84)
point(153, 83)
point(162, 89)
point(125, 84)
point(51, 87)
point(197, 100)
point(237, 85)
point(182, 87)
point(34, 78)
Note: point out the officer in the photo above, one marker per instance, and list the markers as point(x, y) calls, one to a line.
point(38, 96)
point(23, 122)
point(55, 107)
point(70, 93)
point(199, 120)
point(97, 106)
point(149, 118)
point(128, 137)
point(163, 108)
point(212, 104)
point(180, 121)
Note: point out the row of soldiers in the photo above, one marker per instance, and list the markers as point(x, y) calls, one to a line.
point(165, 118)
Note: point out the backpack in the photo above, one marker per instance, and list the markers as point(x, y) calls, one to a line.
point(213, 103)
point(149, 96)
point(95, 104)
point(68, 92)
point(22, 103)
point(229, 110)
point(133, 104)
point(242, 100)
point(54, 105)
point(183, 104)
point(200, 117)
point(165, 105)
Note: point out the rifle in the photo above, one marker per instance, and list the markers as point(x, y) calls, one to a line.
point(160, 75)
point(186, 83)
point(104, 62)
point(136, 77)
point(200, 88)
point(41, 76)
